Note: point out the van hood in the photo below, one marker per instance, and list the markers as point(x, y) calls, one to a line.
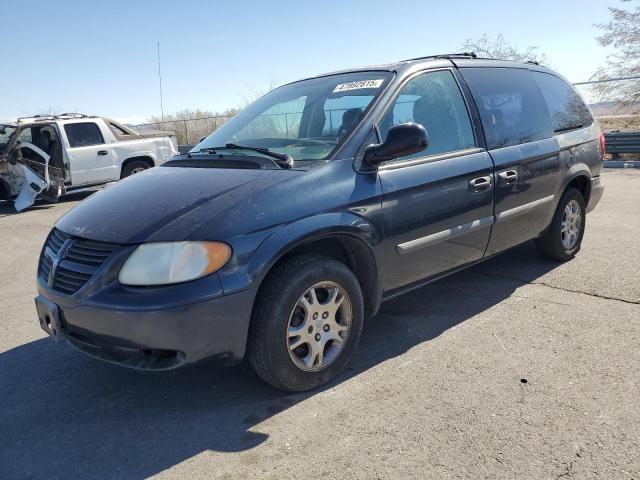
point(145, 206)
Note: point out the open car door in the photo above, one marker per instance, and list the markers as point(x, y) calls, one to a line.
point(31, 175)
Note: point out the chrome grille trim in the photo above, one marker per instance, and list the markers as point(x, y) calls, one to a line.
point(74, 259)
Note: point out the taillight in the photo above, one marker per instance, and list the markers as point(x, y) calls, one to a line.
point(602, 144)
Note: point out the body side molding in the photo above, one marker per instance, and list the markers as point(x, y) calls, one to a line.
point(444, 235)
point(522, 209)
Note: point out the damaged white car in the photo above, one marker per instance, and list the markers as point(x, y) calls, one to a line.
point(48, 157)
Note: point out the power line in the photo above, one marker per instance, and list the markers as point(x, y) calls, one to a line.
point(608, 80)
point(215, 117)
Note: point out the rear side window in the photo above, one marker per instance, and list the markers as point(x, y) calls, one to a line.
point(83, 134)
point(433, 100)
point(511, 106)
point(567, 109)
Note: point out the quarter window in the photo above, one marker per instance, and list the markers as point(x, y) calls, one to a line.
point(512, 108)
point(83, 134)
point(567, 109)
point(118, 130)
point(433, 100)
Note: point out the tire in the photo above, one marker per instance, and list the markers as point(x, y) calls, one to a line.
point(136, 166)
point(555, 244)
point(279, 313)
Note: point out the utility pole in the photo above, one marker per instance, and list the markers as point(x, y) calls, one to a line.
point(160, 80)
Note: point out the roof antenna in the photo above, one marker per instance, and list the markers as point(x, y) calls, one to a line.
point(160, 80)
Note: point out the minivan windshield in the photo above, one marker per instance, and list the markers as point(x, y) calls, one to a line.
point(306, 120)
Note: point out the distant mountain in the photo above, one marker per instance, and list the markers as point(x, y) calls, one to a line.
point(603, 109)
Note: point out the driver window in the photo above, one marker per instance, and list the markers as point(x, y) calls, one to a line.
point(433, 100)
point(25, 136)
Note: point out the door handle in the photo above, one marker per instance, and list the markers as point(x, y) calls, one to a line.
point(102, 152)
point(508, 177)
point(480, 184)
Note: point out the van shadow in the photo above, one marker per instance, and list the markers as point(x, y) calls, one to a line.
point(68, 416)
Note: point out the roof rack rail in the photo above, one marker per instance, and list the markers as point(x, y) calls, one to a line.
point(445, 56)
point(40, 118)
point(532, 62)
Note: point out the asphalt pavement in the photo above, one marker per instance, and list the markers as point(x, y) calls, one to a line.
point(517, 368)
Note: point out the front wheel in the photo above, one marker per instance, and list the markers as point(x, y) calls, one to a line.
point(306, 323)
point(563, 238)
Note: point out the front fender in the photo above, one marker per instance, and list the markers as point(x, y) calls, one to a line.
point(286, 237)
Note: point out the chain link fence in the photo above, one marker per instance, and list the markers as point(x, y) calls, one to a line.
point(188, 131)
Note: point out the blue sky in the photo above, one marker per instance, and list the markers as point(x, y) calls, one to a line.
point(100, 57)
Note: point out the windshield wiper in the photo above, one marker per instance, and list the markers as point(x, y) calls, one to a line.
point(281, 159)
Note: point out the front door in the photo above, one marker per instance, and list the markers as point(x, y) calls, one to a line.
point(437, 204)
point(521, 142)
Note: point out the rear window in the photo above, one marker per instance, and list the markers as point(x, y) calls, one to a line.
point(567, 109)
point(83, 134)
point(511, 106)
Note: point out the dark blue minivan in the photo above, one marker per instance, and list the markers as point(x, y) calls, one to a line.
point(282, 231)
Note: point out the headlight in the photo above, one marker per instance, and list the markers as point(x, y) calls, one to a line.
point(163, 263)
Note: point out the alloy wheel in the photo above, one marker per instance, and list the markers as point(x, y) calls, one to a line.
point(319, 326)
point(571, 225)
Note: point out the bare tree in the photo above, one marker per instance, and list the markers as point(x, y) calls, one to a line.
point(499, 48)
point(49, 111)
point(191, 125)
point(622, 33)
point(254, 94)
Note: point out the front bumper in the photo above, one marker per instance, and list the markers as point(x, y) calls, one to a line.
point(156, 328)
point(597, 190)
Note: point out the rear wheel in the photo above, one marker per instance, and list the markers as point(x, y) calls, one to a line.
point(136, 166)
point(306, 323)
point(563, 238)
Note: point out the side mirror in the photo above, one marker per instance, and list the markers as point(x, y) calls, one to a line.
point(402, 140)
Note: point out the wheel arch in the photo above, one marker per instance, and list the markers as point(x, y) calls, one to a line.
point(145, 158)
point(579, 177)
point(352, 243)
point(5, 190)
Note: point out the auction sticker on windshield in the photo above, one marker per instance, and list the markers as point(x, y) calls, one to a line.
point(344, 87)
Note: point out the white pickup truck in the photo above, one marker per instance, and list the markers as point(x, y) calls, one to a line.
point(51, 156)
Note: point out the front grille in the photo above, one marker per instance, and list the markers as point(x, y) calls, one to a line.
point(77, 260)
point(54, 243)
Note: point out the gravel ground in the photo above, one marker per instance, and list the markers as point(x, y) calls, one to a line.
point(517, 368)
